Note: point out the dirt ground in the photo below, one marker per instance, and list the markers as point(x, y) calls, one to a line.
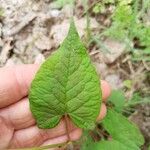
point(30, 30)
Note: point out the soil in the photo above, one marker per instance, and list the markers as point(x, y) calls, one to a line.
point(30, 30)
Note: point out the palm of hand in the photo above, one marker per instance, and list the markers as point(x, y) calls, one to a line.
point(17, 126)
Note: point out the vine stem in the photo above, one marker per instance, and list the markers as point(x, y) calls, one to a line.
point(43, 147)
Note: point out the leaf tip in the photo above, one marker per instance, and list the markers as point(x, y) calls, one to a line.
point(72, 29)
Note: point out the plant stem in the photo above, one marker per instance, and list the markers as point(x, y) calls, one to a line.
point(44, 147)
point(67, 126)
point(88, 31)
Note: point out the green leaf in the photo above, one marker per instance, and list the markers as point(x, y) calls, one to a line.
point(89, 144)
point(125, 135)
point(123, 130)
point(118, 99)
point(66, 84)
point(144, 36)
point(105, 145)
point(149, 147)
point(88, 141)
point(124, 16)
point(137, 99)
point(128, 83)
point(98, 8)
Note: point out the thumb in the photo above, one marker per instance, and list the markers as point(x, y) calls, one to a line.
point(6, 133)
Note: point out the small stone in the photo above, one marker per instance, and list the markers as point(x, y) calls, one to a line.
point(13, 61)
point(67, 11)
point(43, 43)
point(39, 59)
point(114, 81)
point(36, 7)
point(101, 69)
point(54, 13)
point(115, 48)
point(10, 63)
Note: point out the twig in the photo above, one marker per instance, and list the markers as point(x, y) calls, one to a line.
point(126, 59)
point(5, 51)
point(140, 70)
point(145, 65)
point(122, 71)
point(131, 67)
point(94, 52)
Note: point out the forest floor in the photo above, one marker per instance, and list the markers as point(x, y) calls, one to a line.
point(30, 30)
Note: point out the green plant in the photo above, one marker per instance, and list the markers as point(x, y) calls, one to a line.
point(124, 134)
point(100, 6)
point(117, 98)
point(136, 99)
point(67, 85)
point(128, 26)
point(123, 105)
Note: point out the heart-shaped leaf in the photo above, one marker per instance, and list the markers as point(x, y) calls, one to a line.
point(66, 84)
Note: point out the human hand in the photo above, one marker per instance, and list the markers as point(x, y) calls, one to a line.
point(17, 126)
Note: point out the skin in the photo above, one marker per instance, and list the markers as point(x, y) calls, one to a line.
point(17, 126)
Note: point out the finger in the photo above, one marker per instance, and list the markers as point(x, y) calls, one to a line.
point(33, 136)
point(6, 133)
point(102, 113)
point(106, 90)
point(18, 114)
point(14, 83)
point(75, 135)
